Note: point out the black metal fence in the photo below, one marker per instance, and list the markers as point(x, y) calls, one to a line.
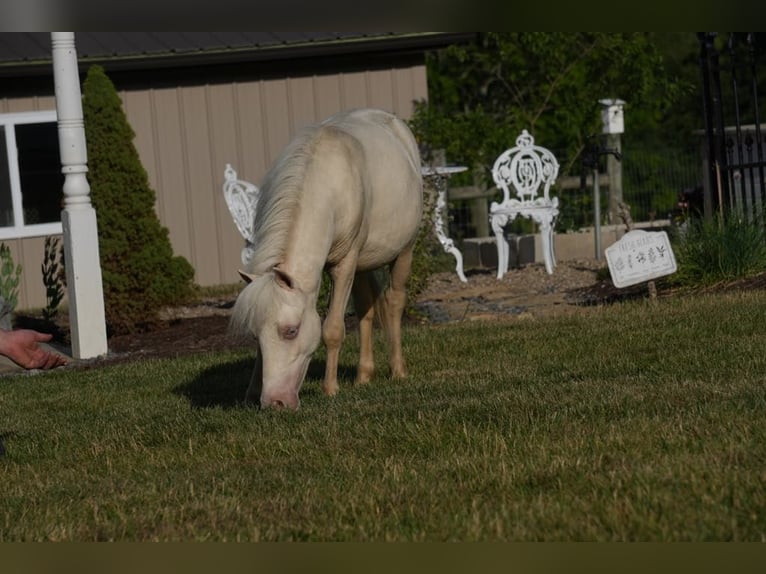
point(735, 159)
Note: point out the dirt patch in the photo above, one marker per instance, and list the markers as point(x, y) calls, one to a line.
point(526, 292)
point(523, 293)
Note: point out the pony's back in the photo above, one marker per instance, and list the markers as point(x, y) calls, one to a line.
point(381, 148)
point(394, 183)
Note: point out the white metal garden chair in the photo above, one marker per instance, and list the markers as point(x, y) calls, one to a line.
point(524, 174)
point(242, 199)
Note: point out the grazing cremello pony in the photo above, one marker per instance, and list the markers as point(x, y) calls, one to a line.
point(345, 195)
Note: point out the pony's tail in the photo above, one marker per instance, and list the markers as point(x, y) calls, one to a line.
point(378, 296)
point(372, 285)
point(382, 308)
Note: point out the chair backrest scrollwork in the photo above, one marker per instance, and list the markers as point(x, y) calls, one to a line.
point(242, 200)
point(525, 169)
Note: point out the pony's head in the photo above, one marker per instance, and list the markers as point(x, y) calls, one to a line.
point(284, 321)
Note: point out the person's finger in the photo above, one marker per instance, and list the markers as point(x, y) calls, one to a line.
point(54, 360)
point(43, 337)
point(50, 361)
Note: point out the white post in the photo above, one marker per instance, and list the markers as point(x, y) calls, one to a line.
point(83, 268)
point(613, 120)
point(597, 213)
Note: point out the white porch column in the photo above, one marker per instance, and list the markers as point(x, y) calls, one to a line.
point(83, 268)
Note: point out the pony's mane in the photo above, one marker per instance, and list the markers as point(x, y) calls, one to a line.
point(280, 198)
point(252, 304)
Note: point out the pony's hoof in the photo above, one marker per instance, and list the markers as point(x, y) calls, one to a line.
point(330, 390)
point(363, 378)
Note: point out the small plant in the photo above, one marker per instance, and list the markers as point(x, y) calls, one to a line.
point(54, 276)
point(9, 285)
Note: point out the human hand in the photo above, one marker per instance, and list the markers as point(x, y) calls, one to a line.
point(23, 348)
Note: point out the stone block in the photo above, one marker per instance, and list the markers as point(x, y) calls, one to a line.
point(479, 252)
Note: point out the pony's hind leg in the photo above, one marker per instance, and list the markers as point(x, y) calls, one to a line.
point(395, 298)
point(365, 292)
point(334, 328)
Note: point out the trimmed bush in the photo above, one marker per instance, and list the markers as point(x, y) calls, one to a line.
point(140, 273)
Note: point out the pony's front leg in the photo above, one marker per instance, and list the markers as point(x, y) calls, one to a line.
point(334, 328)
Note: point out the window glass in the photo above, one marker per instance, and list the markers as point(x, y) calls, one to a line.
point(40, 172)
point(6, 199)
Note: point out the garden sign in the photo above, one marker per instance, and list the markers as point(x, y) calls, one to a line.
point(640, 256)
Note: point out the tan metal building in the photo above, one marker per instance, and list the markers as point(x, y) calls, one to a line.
point(196, 102)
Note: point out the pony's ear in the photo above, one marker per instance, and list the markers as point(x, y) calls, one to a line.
point(248, 277)
point(283, 279)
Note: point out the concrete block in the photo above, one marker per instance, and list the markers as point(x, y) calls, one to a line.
point(528, 250)
point(481, 252)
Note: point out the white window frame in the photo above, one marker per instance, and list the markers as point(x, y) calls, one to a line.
point(19, 230)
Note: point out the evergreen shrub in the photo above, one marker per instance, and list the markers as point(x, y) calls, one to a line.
point(140, 273)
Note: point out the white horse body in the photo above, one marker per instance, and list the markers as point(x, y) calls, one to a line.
point(345, 194)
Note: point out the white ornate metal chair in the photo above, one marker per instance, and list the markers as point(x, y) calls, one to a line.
point(525, 174)
point(242, 198)
point(437, 177)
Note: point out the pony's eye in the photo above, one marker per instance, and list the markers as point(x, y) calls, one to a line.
point(290, 332)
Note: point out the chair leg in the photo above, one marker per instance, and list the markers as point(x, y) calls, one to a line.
point(546, 238)
point(552, 244)
point(502, 254)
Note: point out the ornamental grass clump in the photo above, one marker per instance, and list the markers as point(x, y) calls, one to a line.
point(722, 249)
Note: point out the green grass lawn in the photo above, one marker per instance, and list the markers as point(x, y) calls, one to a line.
point(636, 422)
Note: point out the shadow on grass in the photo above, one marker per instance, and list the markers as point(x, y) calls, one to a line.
point(221, 386)
point(224, 386)
point(3, 437)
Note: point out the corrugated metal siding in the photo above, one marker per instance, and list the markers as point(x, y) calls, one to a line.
point(34, 104)
point(186, 135)
point(29, 253)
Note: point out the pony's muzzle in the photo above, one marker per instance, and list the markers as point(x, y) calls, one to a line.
point(281, 401)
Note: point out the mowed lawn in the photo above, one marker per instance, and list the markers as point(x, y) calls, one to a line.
point(634, 422)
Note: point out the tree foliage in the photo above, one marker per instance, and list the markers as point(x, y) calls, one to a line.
point(481, 95)
point(140, 272)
